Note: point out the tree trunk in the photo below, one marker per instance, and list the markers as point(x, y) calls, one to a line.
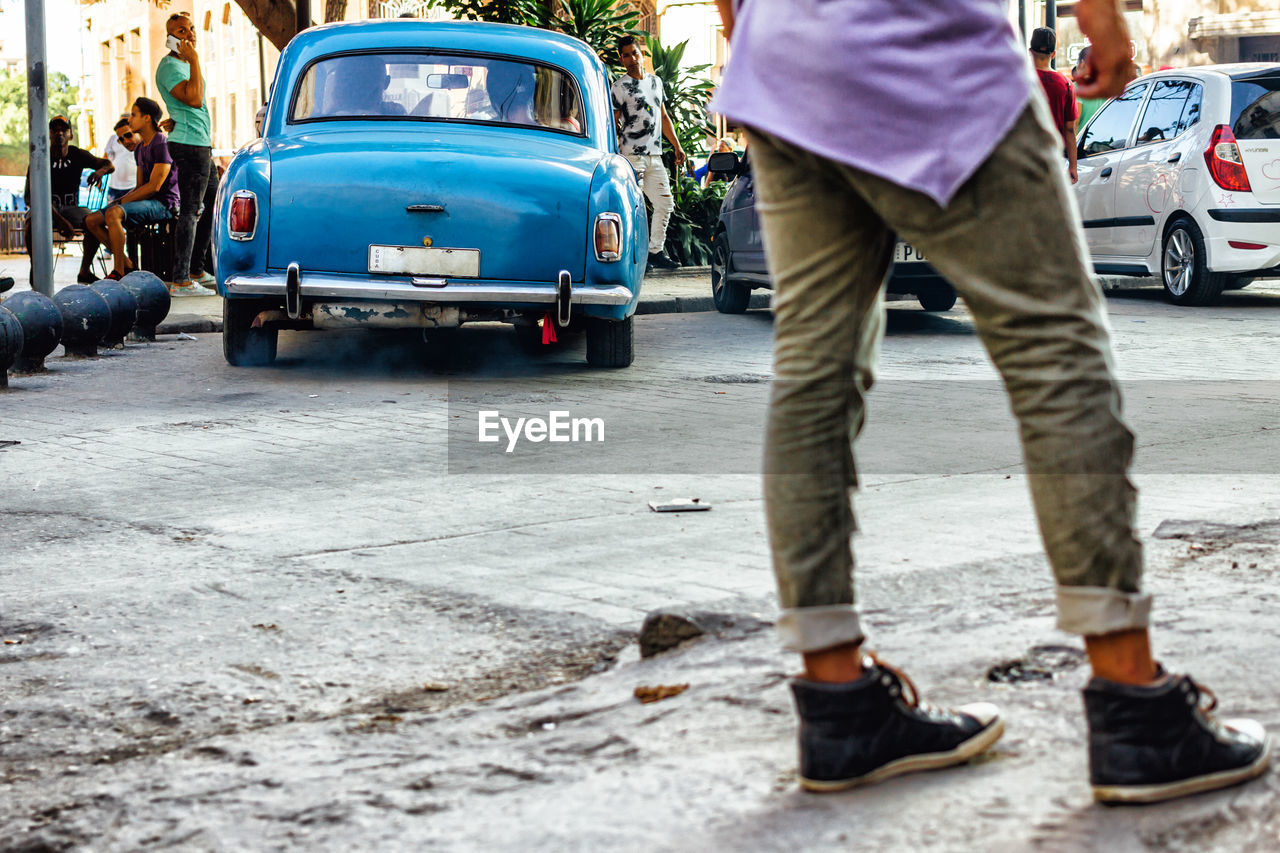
point(335, 10)
point(275, 19)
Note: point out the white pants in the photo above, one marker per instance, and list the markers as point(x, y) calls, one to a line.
point(652, 176)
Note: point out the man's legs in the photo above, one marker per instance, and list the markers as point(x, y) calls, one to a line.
point(654, 182)
point(200, 250)
point(1010, 242)
point(657, 188)
point(193, 164)
point(828, 254)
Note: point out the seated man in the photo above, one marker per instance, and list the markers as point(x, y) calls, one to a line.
point(66, 162)
point(155, 199)
point(510, 89)
point(119, 150)
point(358, 91)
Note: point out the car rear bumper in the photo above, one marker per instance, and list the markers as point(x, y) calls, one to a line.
point(330, 286)
point(1223, 257)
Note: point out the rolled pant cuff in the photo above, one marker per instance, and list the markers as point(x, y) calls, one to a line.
point(811, 629)
point(1090, 610)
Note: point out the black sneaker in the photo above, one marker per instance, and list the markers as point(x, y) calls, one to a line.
point(86, 278)
point(876, 727)
point(661, 261)
point(1154, 743)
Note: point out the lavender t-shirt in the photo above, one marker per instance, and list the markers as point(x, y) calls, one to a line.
point(918, 92)
point(157, 151)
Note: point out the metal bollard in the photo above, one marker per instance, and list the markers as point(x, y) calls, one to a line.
point(41, 329)
point(153, 303)
point(86, 319)
point(124, 311)
point(10, 343)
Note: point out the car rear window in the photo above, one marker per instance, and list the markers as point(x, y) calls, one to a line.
point(440, 87)
point(1255, 107)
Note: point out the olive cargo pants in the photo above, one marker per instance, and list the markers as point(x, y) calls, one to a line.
point(1010, 242)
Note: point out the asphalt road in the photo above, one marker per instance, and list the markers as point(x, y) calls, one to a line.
point(305, 607)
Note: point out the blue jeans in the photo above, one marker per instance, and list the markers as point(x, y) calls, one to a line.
point(114, 195)
point(144, 212)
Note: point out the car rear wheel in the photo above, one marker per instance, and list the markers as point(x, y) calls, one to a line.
point(243, 345)
point(941, 298)
point(729, 298)
point(1183, 268)
point(610, 343)
point(1239, 282)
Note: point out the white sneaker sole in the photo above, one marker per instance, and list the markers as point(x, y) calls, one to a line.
point(1139, 794)
point(912, 763)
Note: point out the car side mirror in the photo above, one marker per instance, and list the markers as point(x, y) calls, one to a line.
point(724, 162)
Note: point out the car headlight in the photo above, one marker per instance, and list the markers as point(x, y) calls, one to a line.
point(608, 237)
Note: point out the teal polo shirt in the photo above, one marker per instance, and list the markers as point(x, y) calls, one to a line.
point(193, 125)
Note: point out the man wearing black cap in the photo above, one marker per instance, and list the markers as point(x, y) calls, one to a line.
point(66, 162)
point(1062, 98)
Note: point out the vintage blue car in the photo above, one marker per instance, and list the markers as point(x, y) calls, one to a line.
point(425, 175)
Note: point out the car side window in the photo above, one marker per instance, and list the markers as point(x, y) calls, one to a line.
point(1191, 112)
point(1109, 130)
point(1163, 116)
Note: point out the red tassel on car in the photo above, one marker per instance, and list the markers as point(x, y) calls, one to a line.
point(548, 329)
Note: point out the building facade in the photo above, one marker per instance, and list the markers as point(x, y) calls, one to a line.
point(123, 41)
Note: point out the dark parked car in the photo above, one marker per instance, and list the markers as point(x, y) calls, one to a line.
point(737, 252)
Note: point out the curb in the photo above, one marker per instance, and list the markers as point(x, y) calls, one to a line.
point(191, 324)
point(692, 304)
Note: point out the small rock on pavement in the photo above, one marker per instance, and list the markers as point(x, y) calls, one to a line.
point(667, 628)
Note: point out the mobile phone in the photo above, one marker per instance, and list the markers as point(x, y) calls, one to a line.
point(171, 42)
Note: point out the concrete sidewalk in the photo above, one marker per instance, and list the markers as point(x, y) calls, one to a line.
point(680, 292)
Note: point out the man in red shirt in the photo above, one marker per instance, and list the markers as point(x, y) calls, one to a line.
point(1062, 98)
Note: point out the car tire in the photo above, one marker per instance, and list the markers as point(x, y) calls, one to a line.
point(610, 343)
point(729, 298)
point(940, 298)
point(1239, 282)
point(243, 345)
point(1183, 271)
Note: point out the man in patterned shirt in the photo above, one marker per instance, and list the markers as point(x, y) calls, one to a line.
point(642, 121)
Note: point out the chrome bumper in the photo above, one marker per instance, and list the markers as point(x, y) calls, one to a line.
point(319, 287)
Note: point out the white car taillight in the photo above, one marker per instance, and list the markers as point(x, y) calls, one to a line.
point(608, 237)
point(1224, 161)
point(243, 219)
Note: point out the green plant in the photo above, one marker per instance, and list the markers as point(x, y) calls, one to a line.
point(13, 104)
point(693, 221)
point(527, 12)
point(600, 23)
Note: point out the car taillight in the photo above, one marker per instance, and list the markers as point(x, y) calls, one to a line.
point(1241, 244)
point(1224, 161)
point(243, 219)
point(608, 237)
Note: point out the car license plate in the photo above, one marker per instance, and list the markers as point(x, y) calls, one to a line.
point(421, 260)
point(905, 253)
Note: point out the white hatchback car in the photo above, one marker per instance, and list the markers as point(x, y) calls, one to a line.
point(1180, 179)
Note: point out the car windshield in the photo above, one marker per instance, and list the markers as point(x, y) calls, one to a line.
point(1255, 107)
point(438, 87)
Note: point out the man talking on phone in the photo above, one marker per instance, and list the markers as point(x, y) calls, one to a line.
point(180, 81)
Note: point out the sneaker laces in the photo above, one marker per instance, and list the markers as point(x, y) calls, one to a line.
point(1204, 691)
point(908, 686)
